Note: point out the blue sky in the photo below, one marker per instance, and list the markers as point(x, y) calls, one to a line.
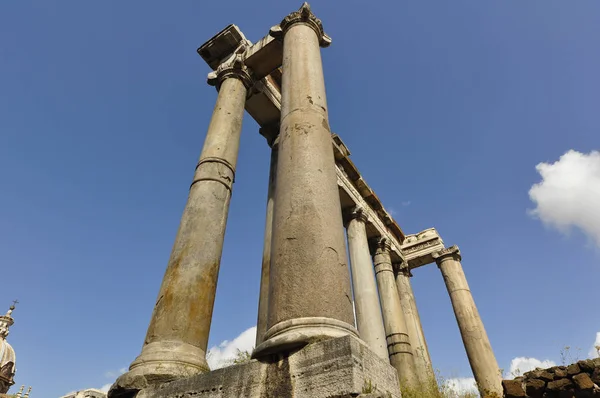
point(447, 108)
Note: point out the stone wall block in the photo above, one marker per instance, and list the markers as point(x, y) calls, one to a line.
point(573, 369)
point(561, 385)
point(513, 389)
point(587, 365)
point(583, 382)
point(535, 388)
point(560, 373)
point(596, 376)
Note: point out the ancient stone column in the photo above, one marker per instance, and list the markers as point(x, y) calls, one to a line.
point(271, 133)
point(396, 330)
point(422, 360)
point(177, 337)
point(366, 298)
point(309, 288)
point(478, 347)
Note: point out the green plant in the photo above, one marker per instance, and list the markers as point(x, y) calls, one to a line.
point(368, 387)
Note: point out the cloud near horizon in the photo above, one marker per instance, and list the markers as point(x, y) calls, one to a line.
point(569, 194)
point(224, 354)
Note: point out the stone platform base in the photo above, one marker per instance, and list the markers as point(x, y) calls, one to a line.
point(337, 368)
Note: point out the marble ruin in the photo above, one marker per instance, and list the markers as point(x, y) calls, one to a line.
point(309, 343)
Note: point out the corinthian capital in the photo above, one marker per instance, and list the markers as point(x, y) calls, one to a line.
point(305, 16)
point(450, 252)
point(234, 67)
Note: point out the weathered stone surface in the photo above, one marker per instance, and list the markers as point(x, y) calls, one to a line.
point(587, 365)
point(596, 376)
point(546, 376)
point(535, 388)
point(573, 369)
point(341, 367)
point(477, 344)
point(513, 389)
point(583, 382)
point(560, 373)
point(560, 385)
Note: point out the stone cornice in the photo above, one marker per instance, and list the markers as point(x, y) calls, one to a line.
point(234, 67)
point(450, 252)
point(418, 248)
point(304, 16)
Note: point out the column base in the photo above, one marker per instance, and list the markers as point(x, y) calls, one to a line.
point(343, 368)
point(160, 362)
point(298, 332)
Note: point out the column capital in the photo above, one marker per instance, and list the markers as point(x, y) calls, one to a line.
point(402, 268)
point(381, 245)
point(235, 67)
point(305, 16)
point(449, 252)
point(355, 213)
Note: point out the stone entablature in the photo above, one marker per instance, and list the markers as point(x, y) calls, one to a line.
point(418, 249)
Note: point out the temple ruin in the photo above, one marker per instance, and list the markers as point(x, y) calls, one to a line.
point(309, 342)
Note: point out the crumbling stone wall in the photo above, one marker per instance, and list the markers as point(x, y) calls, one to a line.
point(581, 379)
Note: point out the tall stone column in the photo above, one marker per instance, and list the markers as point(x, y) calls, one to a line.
point(478, 347)
point(396, 330)
point(309, 288)
point(177, 337)
point(271, 133)
point(366, 300)
point(422, 360)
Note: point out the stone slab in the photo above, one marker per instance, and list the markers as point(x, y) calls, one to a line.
point(341, 367)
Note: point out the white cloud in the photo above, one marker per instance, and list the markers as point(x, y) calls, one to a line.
point(595, 349)
point(520, 365)
point(461, 385)
point(569, 193)
point(224, 354)
point(406, 203)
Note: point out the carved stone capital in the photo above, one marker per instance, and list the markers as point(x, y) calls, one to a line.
point(234, 67)
point(271, 133)
point(305, 16)
point(450, 252)
point(356, 213)
point(402, 268)
point(381, 245)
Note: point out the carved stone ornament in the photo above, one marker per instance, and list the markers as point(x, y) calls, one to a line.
point(402, 268)
point(451, 251)
point(358, 213)
point(234, 67)
point(382, 244)
point(303, 15)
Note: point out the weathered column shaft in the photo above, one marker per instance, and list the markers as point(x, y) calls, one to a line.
point(309, 288)
point(177, 337)
point(366, 299)
point(271, 134)
point(396, 330)
point(415, 330)
point(477, 344)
